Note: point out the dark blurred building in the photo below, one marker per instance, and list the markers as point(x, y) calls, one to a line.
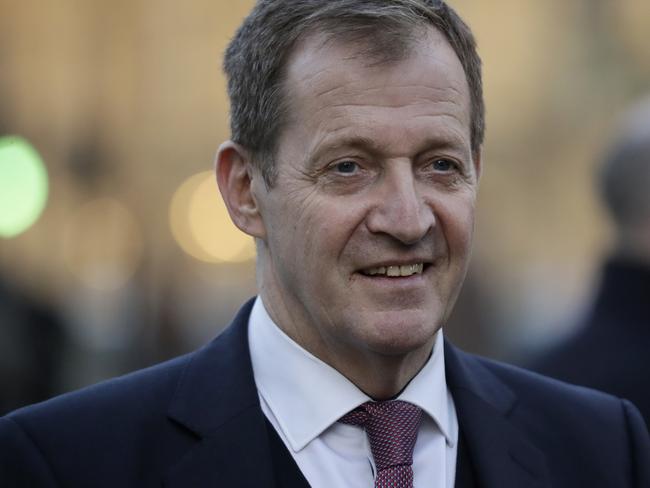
point(31, 345)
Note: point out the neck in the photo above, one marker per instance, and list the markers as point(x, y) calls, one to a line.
point(382, 377)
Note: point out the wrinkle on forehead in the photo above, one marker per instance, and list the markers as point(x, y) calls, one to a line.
point(362, 108)
point(317, 79)
point(449, 134)
point(420, 118)
point(377, 81)
point(417, 105)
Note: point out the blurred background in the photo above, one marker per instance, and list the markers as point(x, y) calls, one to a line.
point(115, 251)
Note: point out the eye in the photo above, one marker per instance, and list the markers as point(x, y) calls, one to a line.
point(346, 167)
point(443, 165)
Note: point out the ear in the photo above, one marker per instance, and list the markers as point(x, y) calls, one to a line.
point(235, 175)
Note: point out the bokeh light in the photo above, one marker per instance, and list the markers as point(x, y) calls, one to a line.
point(201, 225)
point(23, 186)
point(103, 244)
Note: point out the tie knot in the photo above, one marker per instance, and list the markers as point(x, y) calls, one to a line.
point(392, 428)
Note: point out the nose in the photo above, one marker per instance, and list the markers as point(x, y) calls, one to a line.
point(400, 211)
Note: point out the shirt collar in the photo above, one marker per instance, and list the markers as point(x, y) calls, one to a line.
point(307, 396)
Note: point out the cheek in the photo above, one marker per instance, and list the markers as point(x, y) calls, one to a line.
point(457, 222)
point(329, 223)
point(302, 233)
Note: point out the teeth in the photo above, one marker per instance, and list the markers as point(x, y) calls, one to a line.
point(375, 271)
point(396, 271)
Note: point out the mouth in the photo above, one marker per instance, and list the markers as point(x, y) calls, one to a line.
point(395, 270)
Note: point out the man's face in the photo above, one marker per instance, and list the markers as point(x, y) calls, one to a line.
point(368, 228)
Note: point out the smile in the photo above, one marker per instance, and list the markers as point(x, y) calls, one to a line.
point(395, 271)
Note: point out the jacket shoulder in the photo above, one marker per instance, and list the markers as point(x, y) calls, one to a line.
point(150, 386)
point(552, 398)
point(550, 409)
point(69, 439)
point(566, 425)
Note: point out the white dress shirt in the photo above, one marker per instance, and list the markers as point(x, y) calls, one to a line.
point(303, 398)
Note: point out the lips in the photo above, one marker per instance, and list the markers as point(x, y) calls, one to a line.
point(395, 270)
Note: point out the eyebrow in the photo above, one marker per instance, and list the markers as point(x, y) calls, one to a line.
point(446, 142)
point(349, 142)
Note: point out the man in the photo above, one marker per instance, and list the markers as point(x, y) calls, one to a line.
point(354, 162)
point(609, 350)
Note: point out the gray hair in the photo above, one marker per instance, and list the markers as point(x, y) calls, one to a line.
point(255, 60)
point(624, 179)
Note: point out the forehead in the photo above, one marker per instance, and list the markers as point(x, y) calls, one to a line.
point(331, 85)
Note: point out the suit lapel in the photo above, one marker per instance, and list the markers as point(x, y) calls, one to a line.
point(217, 401)
point(500, 453)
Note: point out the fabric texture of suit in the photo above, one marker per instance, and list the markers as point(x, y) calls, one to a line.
point(196, 422)
point(611, 349)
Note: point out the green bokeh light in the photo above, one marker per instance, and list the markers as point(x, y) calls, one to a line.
point(23, 186)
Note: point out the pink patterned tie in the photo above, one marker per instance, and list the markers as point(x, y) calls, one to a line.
point(392, 428)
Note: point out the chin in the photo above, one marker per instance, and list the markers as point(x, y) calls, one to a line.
point(399, 333)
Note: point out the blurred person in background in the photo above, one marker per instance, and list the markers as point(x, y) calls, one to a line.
point(610, 350)
point(357, 130)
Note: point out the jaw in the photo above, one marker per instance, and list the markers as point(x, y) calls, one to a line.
point(381, 333)
point(382, 366)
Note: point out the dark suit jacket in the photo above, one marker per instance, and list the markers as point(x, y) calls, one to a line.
point(610, 351)
point(196, 422)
